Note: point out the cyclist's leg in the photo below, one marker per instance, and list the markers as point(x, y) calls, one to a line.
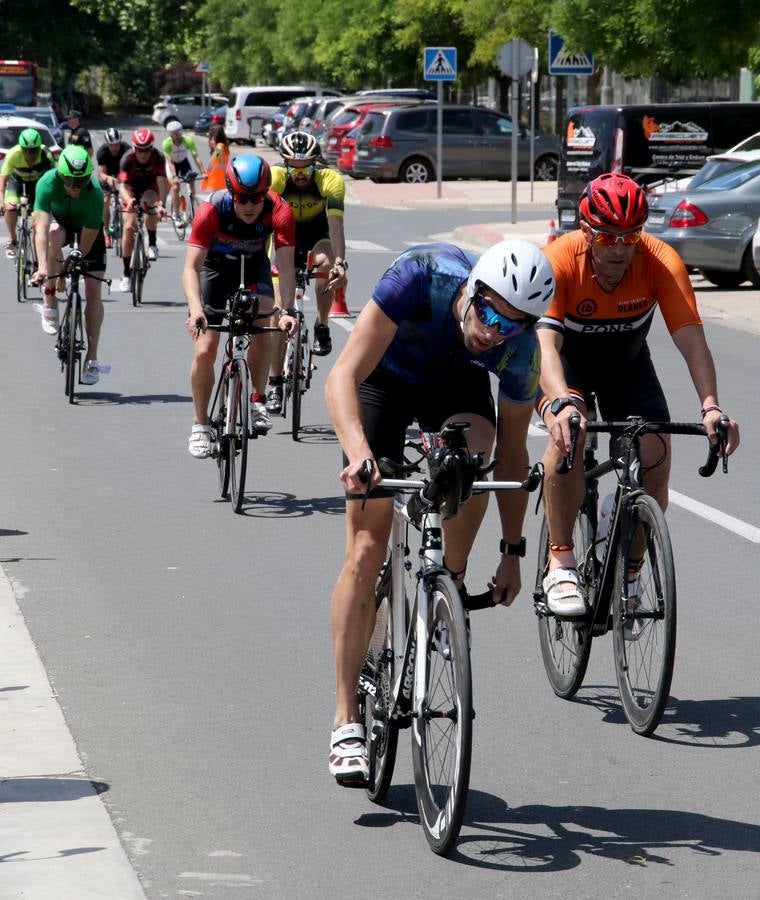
point(323, 261)
point(258, 277)
point(93, 313)
point(213, 296)
point(129, 230)
point(11, 201)
point(149, 199)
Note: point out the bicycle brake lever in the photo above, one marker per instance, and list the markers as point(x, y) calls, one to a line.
point(566, 463)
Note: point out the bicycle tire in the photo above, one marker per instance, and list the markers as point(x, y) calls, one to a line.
point(138, 270)
point(442, 735)
point(566, 643)
point(218, 420)
point(287, 378)
point(237, 443)
point(179, 222)
point(644, 666)
point(72, 355)
point(382, 730)
point(21, 259)
point(309, 370)
point(116, 227)
point(297, 384)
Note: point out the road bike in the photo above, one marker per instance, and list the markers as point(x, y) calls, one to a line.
point(299, 355)
point(139, 261)
point(183, 217)
point(70, 340)
point(26, 258)
point(626, 575)
point(417, 670)
point(230, 407)
point(115, 221)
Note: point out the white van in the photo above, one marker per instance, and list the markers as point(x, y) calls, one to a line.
point(249, 106)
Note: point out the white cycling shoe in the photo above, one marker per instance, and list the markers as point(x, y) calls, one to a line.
point(567, 602)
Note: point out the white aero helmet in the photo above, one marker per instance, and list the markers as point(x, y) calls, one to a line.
point(173, 126)
point(519, 272)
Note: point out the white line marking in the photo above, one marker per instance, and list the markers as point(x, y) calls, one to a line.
point(367, 247)
point(743, 529)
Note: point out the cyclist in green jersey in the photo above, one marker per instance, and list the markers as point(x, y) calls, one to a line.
point(69, 205)
point(22, 167)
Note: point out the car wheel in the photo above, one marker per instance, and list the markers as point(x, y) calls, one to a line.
point(416, 171)
point(748, 267)
point(546, 168)
point(721, 279)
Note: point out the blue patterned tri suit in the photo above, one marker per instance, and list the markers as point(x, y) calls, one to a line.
point(426, 373)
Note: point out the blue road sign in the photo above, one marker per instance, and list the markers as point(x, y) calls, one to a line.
point(562, 62)
point(440, 63)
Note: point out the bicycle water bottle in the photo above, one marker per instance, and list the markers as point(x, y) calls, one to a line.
point(605, 516)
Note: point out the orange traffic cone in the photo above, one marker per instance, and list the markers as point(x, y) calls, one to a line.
point(553, 233)
point(339, 307)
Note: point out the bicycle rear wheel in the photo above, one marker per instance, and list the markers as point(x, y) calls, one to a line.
point(116, 227)
point(565, 643)
point(73, 312)
point(297, 383)
point(376, 692)
point(218, 423)
point(644, 663)
point(138, 271)
point(442, 735)
point(237, 442)
point(22, 252)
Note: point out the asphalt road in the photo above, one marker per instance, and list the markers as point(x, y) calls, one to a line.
point(189, 650)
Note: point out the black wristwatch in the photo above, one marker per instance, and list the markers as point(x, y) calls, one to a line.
point(512, 549)
point(559, 404)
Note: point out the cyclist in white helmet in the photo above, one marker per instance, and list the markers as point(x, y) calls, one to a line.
point(178, 148)
point(423, 347)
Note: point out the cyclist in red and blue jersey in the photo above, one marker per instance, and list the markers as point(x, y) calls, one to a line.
point(233, 227)
point(438, 323)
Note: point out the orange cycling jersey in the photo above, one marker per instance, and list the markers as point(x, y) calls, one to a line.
point(588, 316)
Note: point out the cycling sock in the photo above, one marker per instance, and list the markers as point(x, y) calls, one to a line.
point(151, 238)
point(274, 380)
point(257, 398)
point(127, 266)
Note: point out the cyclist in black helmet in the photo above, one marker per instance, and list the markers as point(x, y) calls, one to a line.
point(108, 157)
point(315, 194)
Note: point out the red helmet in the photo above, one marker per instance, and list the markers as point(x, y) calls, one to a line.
point(143, 139)
point(613, 201)
point(247, 174)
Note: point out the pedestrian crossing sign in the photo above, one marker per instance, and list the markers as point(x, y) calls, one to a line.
point(440, 63)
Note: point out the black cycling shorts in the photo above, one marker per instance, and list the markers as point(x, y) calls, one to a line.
point(183, 167)
point(308, 235)
point(629, 388)
point(95, 259)
point(389, 405)
point(219, 279)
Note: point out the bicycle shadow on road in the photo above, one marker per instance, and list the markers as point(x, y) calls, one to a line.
point(280, 505)
point(101, 398)
point(543, 838)
point(715, 724)
point(314, 434)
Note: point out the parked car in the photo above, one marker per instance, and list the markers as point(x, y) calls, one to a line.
point(343, 120)
point(12, 126)
point(712, 226)
point(399, 144)
point(210, 117)
point(403, 93)
point(46, 115)
point(345, 161)
point(249, 107)
point(321, 116)
point(272, 129)
point(184, 108)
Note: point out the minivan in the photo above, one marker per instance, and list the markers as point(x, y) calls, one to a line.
point(257, 103)
point(649, 142)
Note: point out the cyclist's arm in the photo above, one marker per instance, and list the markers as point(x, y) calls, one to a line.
point(286, 265)
point(42, 227)
point(161, 185)
point(512, 465)
point(337, 237)
point(125, 192)
point(692, 344)
point(554, 385)
point(191, 280)
point(3, 182)
point(366, 345)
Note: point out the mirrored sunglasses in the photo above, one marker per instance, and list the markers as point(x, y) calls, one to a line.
point(249, 198)
point(489, 317)
point(301, 170)
point(608, 239)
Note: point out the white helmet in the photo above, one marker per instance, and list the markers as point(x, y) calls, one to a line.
point(519, 272)
point(173, 126)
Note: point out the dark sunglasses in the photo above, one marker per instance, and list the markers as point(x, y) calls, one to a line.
point(74, 182)
point(608, 239)
point(489, 317)
point(242, 199)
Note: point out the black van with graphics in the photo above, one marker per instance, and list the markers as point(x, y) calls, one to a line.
point(649, 142)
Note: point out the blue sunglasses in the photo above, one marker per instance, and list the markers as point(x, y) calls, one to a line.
point(489, 317)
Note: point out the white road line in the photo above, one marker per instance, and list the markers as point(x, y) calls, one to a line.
point(367, 247)
point(737, 526)
point(57, 838)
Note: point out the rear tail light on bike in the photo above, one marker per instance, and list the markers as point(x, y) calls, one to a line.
point(380, 141)
point(686, 215)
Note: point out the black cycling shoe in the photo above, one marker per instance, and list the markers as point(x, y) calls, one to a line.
point(322, 340)
point(274, 399)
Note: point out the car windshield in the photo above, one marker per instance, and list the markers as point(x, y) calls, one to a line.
point(734, 178)
point(9, 136)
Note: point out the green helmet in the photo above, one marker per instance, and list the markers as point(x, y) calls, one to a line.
point(74, 162)
point(29, 139)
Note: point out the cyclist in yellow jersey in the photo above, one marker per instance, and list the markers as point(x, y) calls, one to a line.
point(315, 194)
point(22, 167)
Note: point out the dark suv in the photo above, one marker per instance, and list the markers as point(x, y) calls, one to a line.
point(400, 145)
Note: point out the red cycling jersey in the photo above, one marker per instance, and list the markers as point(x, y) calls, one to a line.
point(217, 229)
point(141, 176)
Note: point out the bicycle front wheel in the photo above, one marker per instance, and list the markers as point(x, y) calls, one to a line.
point(138, 271)
point(72, 355)
point(297, 383)
point(22, 255)
point(237, 440)
point(218, 423)
point(442, 734)
point(116, 228)
point(644, 626)
point(565, 643)
point(179, 221)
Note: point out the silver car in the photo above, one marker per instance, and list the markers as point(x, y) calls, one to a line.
point(712, 226)
point(184, 108)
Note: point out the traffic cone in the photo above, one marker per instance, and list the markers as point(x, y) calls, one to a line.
point(339, 307)
point(553, 233)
